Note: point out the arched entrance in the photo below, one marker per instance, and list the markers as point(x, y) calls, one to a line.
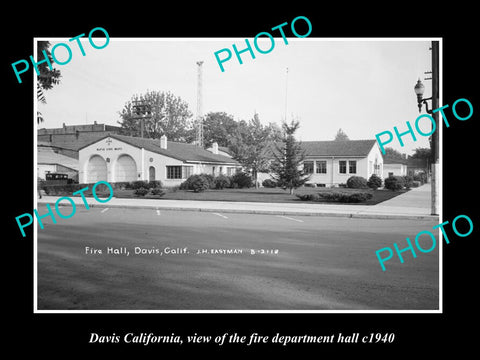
point(96, 169)
point(151, 173)
point(125, 169)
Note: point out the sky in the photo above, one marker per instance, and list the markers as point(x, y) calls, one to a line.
point(363, 86)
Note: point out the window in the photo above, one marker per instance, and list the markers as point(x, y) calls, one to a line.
point(187, 171)
point(342, 167)
point(308, 167)
point(321, 167)
point(179, 172)
point(230, 171)
point(174, 172)
point(352, 166)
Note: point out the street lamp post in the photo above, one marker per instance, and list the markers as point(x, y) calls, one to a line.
point(419, 91)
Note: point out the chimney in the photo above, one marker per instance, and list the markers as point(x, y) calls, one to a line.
point(215, 148)
point(163, 142)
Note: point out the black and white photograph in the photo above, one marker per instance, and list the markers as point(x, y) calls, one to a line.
point(231, 179)
point(246, 184)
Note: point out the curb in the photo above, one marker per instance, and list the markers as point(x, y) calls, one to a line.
point(265, 212)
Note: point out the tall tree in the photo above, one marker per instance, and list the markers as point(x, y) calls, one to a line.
point(286, 167)
point(424, 154)
point(170, 116)
point(47, 77)
point(341, 136)
point(391, 153)
point(249, 145)
point(218, 127)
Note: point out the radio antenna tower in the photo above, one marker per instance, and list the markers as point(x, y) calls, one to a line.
point(199, 122)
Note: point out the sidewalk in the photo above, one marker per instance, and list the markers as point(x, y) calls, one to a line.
point(414, 204)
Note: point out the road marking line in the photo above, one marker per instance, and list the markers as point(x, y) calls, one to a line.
point(158, 212)
point(223, 216)
point(104, 210)
point(289, 218)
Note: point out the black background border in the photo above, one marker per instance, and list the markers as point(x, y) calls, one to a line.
point(54, 334)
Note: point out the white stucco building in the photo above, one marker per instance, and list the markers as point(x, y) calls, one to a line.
point(119, 158)
point(394, 167)
point(331, 163)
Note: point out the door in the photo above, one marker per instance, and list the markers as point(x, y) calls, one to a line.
point(125, 169)
point(96, 169)
point(151, 173)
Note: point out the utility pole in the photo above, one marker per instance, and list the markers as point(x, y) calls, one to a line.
point(435, 136)
point(199, 122)
point(141, 111)
point(286, 93)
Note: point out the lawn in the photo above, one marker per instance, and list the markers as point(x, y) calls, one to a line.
point(275, 195)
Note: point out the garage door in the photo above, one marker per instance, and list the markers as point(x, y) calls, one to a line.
point(96, 169)
point(125, 169)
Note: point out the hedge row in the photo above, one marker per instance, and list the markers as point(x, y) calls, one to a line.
point(202, 182)
point(336, 197)
point(101, 188)
point(152, 191)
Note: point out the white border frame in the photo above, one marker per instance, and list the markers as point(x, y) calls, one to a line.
point(440, 243)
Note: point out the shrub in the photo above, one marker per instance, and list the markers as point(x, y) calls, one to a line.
point(422, 177)
point(269, 183)
point(120, 185)
point(137, 185)
point(408, 180)
point(140, 192)
point(197, 183)
point(357, 182)
point(210, 180)
point(336, 196)
point(155, 184)
point(358, 197)
point(222, 182)
point(69, 189)
point(394, 183)
point(416, 183)
point(242, 180)
point(157, 191)
point(308, 197)
point(374, 182)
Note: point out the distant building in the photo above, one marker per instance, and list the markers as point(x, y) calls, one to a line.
point(73, 129)
point(394, 167)
point(331, 163)
point(49, 161)
point(417, 166)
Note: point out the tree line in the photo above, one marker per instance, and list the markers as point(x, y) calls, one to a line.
point(254, 145)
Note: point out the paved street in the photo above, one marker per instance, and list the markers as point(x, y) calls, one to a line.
point(323, 263)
